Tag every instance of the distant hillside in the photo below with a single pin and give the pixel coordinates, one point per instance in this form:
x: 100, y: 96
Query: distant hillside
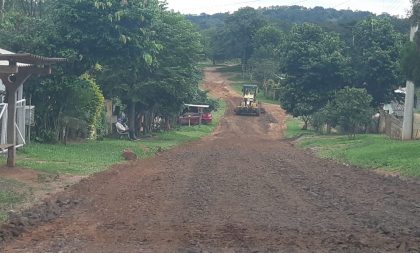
x: 285, y: 16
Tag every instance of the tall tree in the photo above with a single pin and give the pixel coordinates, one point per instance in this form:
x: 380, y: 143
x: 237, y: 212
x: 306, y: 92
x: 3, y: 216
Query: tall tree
x: 315, y: 65
x: 375, y: 55
x: 264, y: 60
x: 410, y: 56
x: 115, y: 35
x: 215, y: 46
x: 242, y: 27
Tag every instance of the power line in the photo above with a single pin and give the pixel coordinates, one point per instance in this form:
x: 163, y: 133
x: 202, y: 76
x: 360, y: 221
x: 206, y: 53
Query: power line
x: 345, y: 2
x: 237, y: 3
x: 255, y: 1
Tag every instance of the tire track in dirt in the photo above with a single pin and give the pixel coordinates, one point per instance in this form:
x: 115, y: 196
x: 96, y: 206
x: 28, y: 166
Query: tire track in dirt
x: 242, y: 189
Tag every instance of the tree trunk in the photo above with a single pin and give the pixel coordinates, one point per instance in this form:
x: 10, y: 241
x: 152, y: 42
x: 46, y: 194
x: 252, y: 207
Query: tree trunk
x: 132, y: 119
x: 147, y: 122
x: 305, y: 122
x: 265, y: 88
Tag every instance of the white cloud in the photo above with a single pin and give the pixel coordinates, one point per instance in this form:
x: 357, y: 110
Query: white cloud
x: 394, y: 7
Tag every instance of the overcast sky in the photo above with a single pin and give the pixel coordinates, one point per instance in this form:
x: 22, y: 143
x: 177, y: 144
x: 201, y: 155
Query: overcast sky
x: 394, y: 7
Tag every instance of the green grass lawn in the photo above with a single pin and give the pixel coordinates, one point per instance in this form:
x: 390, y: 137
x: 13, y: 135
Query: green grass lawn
x: 294, y: 128
x: 370, y: 151
x: 94, y: 156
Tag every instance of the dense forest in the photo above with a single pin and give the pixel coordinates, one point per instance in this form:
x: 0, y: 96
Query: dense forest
x: 134, y: 52
x: 312, y: 55
x: 284, y: 17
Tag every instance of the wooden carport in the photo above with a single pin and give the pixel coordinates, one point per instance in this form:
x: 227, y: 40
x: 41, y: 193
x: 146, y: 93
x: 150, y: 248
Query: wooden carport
x: 14, y: 74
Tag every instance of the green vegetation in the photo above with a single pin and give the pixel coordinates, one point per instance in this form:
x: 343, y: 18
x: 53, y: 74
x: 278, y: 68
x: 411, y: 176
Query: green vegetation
x: 294, y: 128
x: 316, y: 66
x: 306, y: 61
x: 12, y: 193
x: 369, y: 151
x: 136, y: 53
x: 285, y: 17
x: 349, y: 111
x: 93, y: 156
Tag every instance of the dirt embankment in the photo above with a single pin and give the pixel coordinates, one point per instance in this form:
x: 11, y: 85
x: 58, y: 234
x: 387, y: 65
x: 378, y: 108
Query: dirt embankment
x: 243, y: 189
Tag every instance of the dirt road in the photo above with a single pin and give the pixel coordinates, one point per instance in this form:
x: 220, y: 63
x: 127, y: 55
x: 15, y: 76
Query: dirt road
x: 243, y: 189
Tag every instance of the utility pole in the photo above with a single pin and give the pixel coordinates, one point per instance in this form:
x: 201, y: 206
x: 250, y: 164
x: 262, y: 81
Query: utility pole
x: 407, y: 130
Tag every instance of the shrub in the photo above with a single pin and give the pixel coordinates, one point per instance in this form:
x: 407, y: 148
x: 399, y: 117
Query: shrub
x: 67, y: 107
x: 350, y: 110
x: 94, y: 104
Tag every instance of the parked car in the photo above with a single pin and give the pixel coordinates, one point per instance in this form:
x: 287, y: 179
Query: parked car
x: 189, y: 118
x: 194, y: 114
x: 206, y: 118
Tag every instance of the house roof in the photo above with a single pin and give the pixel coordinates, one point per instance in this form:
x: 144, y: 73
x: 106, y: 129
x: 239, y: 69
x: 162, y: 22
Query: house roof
x: 6, y: 63
x: 250, y: 86
x: 198, y: 106
x: 26, y: 58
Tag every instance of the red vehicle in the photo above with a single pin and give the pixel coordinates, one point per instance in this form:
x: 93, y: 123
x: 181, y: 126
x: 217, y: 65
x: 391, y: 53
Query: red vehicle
x: 206, y: 117
x: 195, y: 115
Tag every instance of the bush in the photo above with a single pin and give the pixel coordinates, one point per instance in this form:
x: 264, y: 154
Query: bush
x: 67, y: 107
x: 324, y: 119
x: 94, y: 105
x: 350, y: 110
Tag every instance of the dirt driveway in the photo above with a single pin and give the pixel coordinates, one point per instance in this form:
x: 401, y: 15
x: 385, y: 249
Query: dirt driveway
x: 243, y: 189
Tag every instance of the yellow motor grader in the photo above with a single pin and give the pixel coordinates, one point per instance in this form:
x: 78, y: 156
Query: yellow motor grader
x: 249, y: 104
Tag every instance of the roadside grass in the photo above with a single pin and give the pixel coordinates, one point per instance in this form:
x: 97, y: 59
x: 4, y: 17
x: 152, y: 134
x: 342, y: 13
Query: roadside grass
x: 94, y: 156
x: 204, y: 64
x: 294, y: 128
x: 230, y: 68
x: 369, y: 151
x: 12, y: 193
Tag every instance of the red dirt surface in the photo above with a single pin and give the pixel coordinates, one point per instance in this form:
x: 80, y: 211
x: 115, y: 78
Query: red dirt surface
x: 243, y: 189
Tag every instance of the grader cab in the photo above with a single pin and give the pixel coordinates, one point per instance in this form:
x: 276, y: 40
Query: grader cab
x: 249, y: 104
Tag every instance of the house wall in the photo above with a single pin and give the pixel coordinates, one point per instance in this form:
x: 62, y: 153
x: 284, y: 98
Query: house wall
x: 416, y: 126
x: 392, y: 126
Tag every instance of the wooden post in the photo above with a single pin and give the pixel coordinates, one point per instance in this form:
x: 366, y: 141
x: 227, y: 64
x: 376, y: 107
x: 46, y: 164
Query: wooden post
x: 11, y: 89
x: 14, y: 76
x: 11, y: 129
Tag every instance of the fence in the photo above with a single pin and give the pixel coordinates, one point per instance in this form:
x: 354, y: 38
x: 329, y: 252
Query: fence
x: 392, y: 125
x: 24, y: 117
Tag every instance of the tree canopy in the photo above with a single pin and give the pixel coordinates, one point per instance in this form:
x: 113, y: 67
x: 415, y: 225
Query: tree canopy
x: 375, y: 53
x: 308, y: 54
x: 315, y: 65
x: 132, y: 50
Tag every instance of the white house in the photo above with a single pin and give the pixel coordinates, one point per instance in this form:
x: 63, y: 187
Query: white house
x: 24, y: 113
